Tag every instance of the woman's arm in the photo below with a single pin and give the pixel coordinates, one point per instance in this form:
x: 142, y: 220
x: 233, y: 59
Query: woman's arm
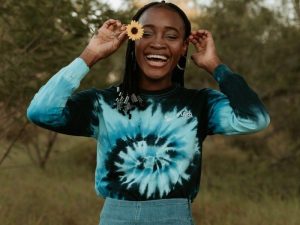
x: 237, y: 108
x: 55, y: 107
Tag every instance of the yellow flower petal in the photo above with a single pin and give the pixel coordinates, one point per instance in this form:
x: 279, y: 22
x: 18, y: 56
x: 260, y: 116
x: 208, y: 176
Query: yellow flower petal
x: 134, y: 30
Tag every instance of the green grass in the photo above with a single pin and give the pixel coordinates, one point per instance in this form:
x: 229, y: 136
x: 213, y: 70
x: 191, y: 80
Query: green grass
x: 234, y: 190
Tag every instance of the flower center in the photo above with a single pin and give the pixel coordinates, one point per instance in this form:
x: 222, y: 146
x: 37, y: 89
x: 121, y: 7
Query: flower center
x: 134, y: 30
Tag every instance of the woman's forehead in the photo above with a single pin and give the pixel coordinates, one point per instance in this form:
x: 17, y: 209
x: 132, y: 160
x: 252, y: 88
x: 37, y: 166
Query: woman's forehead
x: 162, y: 17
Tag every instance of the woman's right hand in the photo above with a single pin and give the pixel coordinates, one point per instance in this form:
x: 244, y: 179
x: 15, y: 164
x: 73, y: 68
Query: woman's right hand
x: 106, y: 40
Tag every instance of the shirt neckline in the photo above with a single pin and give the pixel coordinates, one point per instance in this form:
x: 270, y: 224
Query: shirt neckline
x: 163, y: 92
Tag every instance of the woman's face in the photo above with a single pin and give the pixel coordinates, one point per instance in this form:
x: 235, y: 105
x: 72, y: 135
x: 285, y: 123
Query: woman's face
x: 162, y: 45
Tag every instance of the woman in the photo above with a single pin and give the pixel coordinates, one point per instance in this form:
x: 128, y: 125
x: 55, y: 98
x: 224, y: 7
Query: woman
x: 149, y: 129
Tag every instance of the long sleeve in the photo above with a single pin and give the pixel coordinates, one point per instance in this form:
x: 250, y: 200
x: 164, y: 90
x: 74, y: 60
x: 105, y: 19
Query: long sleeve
x: 237, y: 108
x: 56, y: 108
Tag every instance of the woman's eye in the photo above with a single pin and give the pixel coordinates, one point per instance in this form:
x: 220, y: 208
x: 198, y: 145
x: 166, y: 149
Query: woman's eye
x: 147, y: 34
x: 172, y: 37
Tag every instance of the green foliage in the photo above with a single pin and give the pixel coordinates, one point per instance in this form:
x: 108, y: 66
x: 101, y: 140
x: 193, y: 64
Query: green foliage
x: 263, y: 46
x: 38, y: 37
x: 249, y: 179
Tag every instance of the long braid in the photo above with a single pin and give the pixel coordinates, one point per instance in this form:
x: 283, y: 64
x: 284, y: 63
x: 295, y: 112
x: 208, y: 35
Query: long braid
x: 128, y: 92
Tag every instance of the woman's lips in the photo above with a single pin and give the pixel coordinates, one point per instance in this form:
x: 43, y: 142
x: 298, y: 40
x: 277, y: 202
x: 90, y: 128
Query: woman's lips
x: 157, y: 60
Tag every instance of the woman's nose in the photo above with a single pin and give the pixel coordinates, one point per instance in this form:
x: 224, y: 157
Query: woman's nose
x: 158, y: 43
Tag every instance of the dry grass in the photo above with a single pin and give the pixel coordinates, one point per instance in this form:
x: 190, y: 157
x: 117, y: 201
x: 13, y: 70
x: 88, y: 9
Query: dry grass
x: 233, y: 192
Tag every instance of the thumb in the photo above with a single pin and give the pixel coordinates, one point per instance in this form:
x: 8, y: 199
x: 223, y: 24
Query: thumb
x: 197, y: 59
x: 194, y: 56
x: 122, y: 37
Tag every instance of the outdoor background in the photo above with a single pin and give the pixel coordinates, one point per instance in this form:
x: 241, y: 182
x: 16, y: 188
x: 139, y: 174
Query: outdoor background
x: 47, y: 179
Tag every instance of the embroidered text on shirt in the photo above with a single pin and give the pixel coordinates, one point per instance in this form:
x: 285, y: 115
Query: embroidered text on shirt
x: 185, y: 114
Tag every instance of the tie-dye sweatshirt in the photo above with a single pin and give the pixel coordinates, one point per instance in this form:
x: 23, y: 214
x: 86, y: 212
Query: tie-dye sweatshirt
x: 157, y: 153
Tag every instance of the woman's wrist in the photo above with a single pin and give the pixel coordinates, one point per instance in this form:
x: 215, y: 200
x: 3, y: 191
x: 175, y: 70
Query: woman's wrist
x: 89, y: 57
x: 212, y: 65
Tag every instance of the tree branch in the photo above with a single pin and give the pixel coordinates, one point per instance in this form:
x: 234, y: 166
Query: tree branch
x: 14, y: 141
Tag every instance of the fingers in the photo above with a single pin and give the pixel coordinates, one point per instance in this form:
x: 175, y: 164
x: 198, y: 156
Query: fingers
x: 200, y: 34
x: 122, y: 36
x: 113, y: 25
x: 111, y: 29
x: 200, y: 38
x: 109, y: 23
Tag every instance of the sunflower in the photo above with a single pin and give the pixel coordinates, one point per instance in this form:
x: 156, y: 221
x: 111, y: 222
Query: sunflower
x: 135, y: 30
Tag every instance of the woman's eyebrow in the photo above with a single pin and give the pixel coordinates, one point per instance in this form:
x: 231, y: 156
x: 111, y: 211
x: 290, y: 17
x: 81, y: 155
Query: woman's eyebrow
x: 166, y: 27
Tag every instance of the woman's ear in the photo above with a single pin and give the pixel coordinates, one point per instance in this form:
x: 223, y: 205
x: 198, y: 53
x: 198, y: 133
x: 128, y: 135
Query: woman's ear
x: 185, y: 47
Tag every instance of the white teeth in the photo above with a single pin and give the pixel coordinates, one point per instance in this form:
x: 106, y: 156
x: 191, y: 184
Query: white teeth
x: 162, y: 57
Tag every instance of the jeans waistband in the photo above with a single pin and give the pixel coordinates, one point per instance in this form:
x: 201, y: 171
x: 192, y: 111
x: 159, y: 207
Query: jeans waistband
x: 162, y: 209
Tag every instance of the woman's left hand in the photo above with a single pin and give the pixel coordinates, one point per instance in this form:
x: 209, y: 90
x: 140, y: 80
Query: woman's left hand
x: 206, y: 55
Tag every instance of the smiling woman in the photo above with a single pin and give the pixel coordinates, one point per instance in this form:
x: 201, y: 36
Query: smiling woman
x: 150, y: 128
x: 158, y: 53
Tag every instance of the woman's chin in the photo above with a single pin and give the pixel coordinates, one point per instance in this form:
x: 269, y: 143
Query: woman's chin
x: 157, y: 77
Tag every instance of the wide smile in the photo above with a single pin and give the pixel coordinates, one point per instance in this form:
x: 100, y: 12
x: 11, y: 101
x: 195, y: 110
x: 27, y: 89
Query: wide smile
x: 157, y: 60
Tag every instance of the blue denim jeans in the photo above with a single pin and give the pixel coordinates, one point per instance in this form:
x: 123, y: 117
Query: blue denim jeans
x: 153, y: 212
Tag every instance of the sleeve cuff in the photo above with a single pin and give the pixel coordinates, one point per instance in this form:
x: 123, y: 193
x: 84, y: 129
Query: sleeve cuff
x: 76, y: 70
x: 221, y: 72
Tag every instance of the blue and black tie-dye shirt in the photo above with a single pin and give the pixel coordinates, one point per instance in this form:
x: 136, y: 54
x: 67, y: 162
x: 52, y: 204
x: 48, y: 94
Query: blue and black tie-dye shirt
x: 157, y: 153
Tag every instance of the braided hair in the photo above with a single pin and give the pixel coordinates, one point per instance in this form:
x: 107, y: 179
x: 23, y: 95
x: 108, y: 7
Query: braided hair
x: 128, y: 92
